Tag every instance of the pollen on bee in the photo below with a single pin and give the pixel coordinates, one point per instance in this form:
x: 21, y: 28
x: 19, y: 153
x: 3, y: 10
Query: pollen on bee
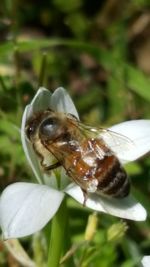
x: 92, y: 186
x: 89, y: 160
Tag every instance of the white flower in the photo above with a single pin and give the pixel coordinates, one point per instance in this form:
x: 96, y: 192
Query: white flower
x: 146, y: 261
x: 27, y: 207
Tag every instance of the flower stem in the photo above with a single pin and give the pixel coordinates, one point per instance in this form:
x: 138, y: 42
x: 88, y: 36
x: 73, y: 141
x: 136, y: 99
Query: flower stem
x: 42, y: 75
x: 58, y: 228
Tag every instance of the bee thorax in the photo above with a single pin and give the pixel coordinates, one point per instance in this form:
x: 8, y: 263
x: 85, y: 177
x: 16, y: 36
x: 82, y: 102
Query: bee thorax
x: 90, y: 161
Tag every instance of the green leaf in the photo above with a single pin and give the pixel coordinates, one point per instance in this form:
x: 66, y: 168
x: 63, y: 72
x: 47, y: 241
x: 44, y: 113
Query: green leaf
x: 138, y: 82
x: 101, y: 55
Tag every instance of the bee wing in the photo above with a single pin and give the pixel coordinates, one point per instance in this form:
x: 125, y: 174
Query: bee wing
x: 118, y: 143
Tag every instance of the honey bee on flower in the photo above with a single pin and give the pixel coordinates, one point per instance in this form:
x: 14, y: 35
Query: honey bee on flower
x: 91, y: 159
x: 81, y: 150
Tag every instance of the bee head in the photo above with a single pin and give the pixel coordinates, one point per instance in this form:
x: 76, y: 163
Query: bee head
x: 46, y: 125
x: 49, y: 128
x: 31, y: 129
x: 34, y: 124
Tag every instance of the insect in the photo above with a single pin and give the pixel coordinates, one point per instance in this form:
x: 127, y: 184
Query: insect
x: 81, y: 150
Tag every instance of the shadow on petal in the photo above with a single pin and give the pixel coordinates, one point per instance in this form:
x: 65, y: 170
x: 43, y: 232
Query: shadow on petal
x: 127, y: 208
x: 28, y: 149
x: 62, y: 102
x: 41, y: 101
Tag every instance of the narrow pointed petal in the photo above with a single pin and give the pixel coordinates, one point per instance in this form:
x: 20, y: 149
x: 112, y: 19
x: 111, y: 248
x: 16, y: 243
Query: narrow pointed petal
x: 126, y: 208
x: 146, y: 261
x: 138, y: 132
x: 41, y: 101
x: 28, y: 149
x: 18, y: 252
x: 26, y: 208
x: 62, y: 102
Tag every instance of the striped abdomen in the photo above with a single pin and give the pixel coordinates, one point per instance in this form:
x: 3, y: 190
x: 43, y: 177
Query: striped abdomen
x: 112, y: 178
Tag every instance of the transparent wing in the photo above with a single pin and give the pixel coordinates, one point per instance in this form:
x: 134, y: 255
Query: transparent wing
x: 115, y: 140
x: 118, y: 143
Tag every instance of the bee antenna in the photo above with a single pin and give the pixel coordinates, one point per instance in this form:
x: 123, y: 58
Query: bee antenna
x: 73, y: 116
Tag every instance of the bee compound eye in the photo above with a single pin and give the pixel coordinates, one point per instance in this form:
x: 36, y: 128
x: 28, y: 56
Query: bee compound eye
x: 30, y: 130
x: 49, y: 127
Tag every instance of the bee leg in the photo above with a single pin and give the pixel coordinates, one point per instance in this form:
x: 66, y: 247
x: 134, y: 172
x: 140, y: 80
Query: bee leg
x: 85, y: 194
x: 53, y: 166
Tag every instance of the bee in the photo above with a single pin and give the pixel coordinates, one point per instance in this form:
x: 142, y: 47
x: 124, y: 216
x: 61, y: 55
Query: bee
x: 81, y: 150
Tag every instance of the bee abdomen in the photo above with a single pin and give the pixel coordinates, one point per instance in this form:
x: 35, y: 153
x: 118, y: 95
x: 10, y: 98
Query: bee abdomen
x: 124, y: 190
x: 115, y: 182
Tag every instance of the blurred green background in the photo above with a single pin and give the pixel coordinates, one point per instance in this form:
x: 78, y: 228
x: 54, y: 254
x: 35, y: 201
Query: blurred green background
x: 100, y: 52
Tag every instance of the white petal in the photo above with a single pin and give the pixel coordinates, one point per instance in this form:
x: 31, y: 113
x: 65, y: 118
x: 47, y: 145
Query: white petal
x: 41, y: 101
x: 126, y: 208
x: 138, y: 131
x: 28, y: 149
x: 53, y: 181
x: 146, y: 261
x: 61, y: 101
x: 75, y: 192
x: 26, y: 208
x: 18, y: 252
